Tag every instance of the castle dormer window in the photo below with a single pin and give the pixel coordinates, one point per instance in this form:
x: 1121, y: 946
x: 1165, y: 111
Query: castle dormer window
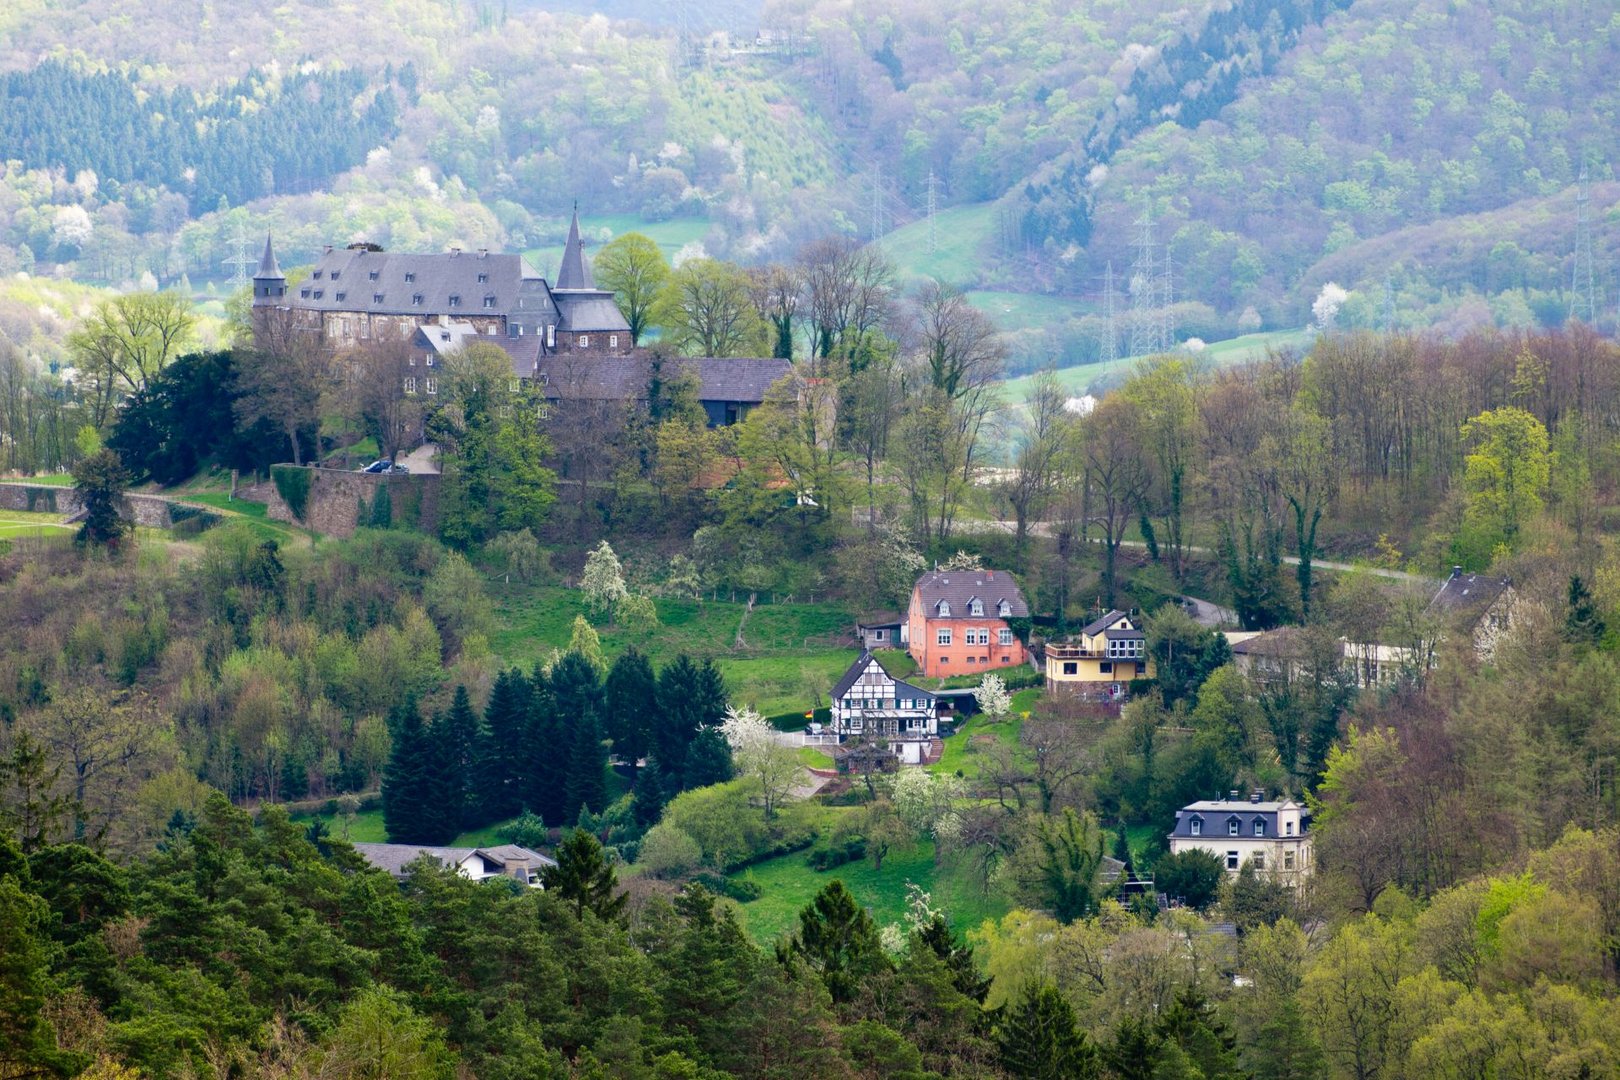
x: 410, y: 276
x: 416, y: 299
x: 336, y: 274
x: 376, y: 298
x: 455, y: 301
x: 489, y: 302
x: 341, y: 296
x: 319, y: 293
x: 316, y: 275
x: 304, y: 293
x: 483, y: 279
x: 372, y: 276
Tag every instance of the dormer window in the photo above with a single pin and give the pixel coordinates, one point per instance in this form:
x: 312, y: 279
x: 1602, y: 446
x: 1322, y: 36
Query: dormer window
x: 372, y: 276
x: 410, y: 276
x: 336, y: 274
x: 304, y: 293
x: 319, y: 293
x: 1233, y: 827
x: 944, y: 609
x: 1004, y: 609
x: 489, y: 302
x: 455, y: 301
x: 342, y: 295
x: 376, y: 298
x: 976, y: 608
x: 316, y: 275
x: 1259, y: 826
x: 1196, y: 826
x: 416, y: 299
x: 1288, y: 829
x: 483, y: 279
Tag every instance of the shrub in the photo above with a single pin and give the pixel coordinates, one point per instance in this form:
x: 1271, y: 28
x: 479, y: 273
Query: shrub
x: 292, y: 484
x: 668, y: 852
x: 742, y: 890
x: 849, y: 849
x: 1194, y: 876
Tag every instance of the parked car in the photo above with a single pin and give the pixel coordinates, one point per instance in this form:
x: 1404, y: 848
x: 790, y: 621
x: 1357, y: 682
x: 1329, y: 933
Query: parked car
x: 385, y: 466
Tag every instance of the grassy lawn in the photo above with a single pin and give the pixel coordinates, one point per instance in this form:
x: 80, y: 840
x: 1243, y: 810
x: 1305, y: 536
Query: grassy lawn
x: 16, y: 523
x: 791, y: 652
x: 789, y: 885
x: 1012, y: 311
x: 811, y: 758
x: 1220, y: 353
x: 367, y: 828
x: 51, y: 479
x: 961, y: 236
x: 961, y: 750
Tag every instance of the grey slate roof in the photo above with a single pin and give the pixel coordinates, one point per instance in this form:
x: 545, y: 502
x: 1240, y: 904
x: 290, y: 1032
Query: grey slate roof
x: 588, y: 312
x: 514, y: 286
x: 394, y: 858
x: 1093, y: 628
x: 575, y: 272
x: 1216, y: 813
x: 957, y: 587
x: 1465, y: 598
x: 847, y: 680
x: 1285, y: 641
x: 590, y: 377
x: 268, y: 269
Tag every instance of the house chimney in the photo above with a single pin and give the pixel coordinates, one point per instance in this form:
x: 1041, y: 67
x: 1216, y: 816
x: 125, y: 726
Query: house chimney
x: 1456, y: 571
x: 483, y: 253
x: 1234, y: 794
x: 1256, y: 795
x: 329, y: 249
x: 455, y: 251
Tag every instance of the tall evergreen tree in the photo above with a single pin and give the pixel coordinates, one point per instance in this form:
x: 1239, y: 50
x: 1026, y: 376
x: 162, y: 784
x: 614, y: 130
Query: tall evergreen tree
x: 407, y: 779
x: 586, y: 788
x: 457, y: 736
x: 708, y: 760
x: 1040, y: 1039
x: 544, y: 773
x: 630, y: 705
x: 839, y: 940
x: 498, y: 753
x: 958, y: 959
x: 584, y: 877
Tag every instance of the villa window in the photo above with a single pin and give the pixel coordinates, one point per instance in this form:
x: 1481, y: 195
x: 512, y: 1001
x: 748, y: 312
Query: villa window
x: 1071, y: 667
x: 376, y: 298
x: 1104, y: 667
x: 410, y: 384
x: 432, y: 385
x: 489, y: 301
x: 342, y: 296
x: 1288, y: 860
x: 1231, y: 860
x: 410, y: 277
x: 1288, y: 829
x: 1232, y: 828
x: 483, y: 279
x: 976, y: 608
x: 1259, y: 827
x: 416, y: 299
x: 1259, y: 860
x: 943, y: 637
x: 1196, y: 826
x: 316, y: 275
x: 455, y: 301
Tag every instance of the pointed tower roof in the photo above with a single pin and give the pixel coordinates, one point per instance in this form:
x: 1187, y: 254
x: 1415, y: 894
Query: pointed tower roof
x: 575, y: 272
x: 267, y: 264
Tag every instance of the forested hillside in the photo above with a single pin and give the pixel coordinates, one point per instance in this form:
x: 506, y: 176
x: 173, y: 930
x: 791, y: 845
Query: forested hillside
x: 1280, y: 145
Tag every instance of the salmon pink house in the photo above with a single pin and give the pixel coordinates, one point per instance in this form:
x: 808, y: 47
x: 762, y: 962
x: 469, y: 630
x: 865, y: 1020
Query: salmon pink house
x: 958, y: 622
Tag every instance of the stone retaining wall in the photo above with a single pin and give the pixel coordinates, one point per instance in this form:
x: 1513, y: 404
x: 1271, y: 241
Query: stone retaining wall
x: 337, y: 501
x: 150, y: 511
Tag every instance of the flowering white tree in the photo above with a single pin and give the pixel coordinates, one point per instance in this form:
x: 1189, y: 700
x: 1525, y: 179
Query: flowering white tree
x: 993, y: 699
x: 760, y: 756
x: 1328, y: 302
x: 926, y: 802
x: 603, y: 583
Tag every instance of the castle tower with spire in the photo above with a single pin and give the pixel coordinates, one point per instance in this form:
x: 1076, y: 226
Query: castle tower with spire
x: 269, y: 283
x: 589, y: 318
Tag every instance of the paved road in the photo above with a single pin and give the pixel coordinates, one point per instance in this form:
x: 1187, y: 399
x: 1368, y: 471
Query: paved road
x: 1044, y: 528
x: 422, y: 460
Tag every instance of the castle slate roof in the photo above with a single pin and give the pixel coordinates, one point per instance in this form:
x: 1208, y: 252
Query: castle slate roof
x: 354, y: 278
x: 957, y: 587
x: 591, y: 377
x: 587, y: 312
x: 575, y: 272
x: 268, y: 268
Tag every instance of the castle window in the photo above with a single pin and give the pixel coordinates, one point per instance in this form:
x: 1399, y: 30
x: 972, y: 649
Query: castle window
x: 336, y: 274
x: 319, y: 293
x: 483, y: 279
x: 432, y: 385
x: 1259, y: 860
x: 342, y: 296
x: 514, y: 330
x: 1289, y: 828
x: 584, y: 341
x: 416, y: 298
x: 376, y: 297
x: 1288, y: 860
x: 410, y: 276
x: 455, y: 301
x: 489, y: 301
x: 372, y: 276
x: 304, y: 293
x: 316, y: 275
x: 613, y: 341
x: 410, y: 384
x: 444, y: 335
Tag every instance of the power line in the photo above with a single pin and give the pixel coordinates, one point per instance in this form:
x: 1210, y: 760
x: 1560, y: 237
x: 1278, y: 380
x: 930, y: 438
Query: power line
x: 877, y: 202
x: 1583, y: 303
x: 1110, y: 341
x: 241, y: 261
x: 1144, y: 287
x: 1165, y: 334
x: 933, y: 238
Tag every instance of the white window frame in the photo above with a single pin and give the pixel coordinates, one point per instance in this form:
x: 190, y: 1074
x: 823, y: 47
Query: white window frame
x: 1234, y: 827
x: 1260, y: 827
x: 976, y: 609
x: 1232, y: 860
x: 584, y: 341
x: 942, y: 636
x: 1004, y: 638
x: 613, y: 341
x: 1195, y: 827
x: 410, y: 384
x: 944, y: 609
x: 431, y: 385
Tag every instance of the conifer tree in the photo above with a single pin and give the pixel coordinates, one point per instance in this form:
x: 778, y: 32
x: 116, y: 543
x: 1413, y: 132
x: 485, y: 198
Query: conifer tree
x: 544, y: 753
x: 446, y: 805
x: 498, y: 753
x: 838, y: 938
x: 937, y: 936
x: 407, y: 779
x: 630, y: 705
x: 584, y: 878
x: 1040, y: 1039
x: 1584, y: 623
x: 586, y: 788
x: 458, y: 742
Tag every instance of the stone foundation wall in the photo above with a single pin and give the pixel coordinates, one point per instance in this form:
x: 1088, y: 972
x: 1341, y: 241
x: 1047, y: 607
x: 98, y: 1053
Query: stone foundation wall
x: 337, y: 502
x: 150, y: 511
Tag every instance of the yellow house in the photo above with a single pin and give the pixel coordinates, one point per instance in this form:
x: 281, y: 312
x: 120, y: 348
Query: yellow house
x: 1103, y: 658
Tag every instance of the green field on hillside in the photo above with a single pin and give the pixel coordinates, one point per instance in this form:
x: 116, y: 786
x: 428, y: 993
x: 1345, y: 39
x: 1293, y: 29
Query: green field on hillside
x: 961, y: 236
x: 790, y: 652
x: 19, y: 523
x: 1218, y: 353
x: 670, y: 235
x: 789, y: 884
x: 1014, y: 311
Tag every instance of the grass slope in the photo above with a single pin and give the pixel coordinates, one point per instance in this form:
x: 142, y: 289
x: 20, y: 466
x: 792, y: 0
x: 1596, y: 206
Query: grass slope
x: 962, y: 235
x: 670, y: 235
x: 1220, y: 354
x: 17, y: 523
x: 790, y: 652
x: 790, y: 884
